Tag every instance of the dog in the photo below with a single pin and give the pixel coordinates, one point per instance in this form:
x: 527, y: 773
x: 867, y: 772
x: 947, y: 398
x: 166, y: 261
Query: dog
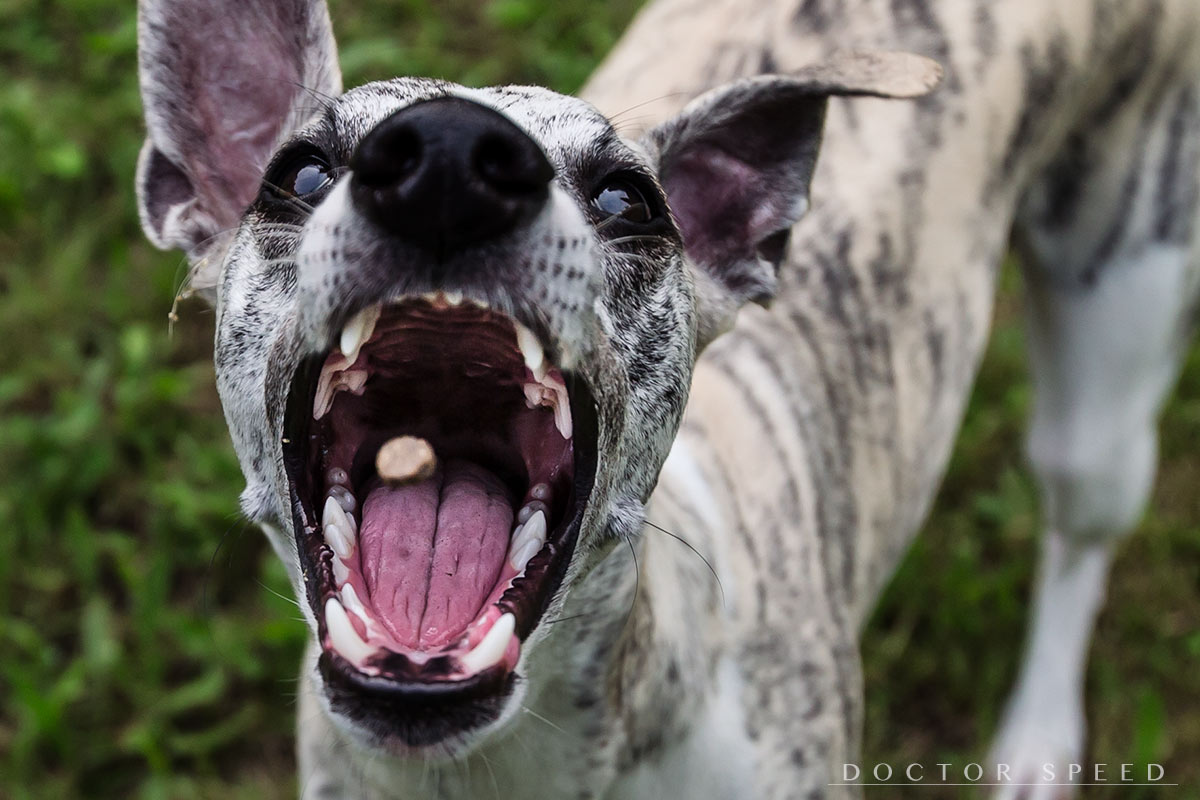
x: 684, y: 429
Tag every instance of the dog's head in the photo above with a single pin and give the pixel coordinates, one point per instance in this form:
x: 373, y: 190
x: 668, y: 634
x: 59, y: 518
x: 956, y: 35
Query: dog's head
x: 495, y: 271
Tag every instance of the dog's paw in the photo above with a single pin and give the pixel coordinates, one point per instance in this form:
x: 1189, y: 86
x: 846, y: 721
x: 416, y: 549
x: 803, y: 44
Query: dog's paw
x: 1036, y: 755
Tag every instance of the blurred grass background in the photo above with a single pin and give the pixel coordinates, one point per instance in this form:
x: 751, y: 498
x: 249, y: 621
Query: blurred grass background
x: 147, y: 648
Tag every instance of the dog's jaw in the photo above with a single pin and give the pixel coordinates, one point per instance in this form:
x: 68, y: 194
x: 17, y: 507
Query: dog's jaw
x: 394, y: 647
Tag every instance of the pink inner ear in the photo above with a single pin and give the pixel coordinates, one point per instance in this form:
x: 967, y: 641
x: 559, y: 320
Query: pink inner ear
x: 245, y: 83
x: 723, y: 205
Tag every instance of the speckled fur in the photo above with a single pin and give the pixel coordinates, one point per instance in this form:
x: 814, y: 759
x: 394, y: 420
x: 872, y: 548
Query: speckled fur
x: 816, y: 431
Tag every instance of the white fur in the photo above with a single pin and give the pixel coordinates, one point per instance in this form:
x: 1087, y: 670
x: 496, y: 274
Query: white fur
x: 715, y: 761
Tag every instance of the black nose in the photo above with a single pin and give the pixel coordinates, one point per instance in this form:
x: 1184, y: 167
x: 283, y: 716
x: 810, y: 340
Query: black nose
x: 448, y: 173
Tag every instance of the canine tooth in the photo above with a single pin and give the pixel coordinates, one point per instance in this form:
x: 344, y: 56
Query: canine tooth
x: 324, y: 396
x: 358, y: 330
x: 337, y: 532
x: 562, y: 419
x: 540, y: 491
x: 528, y: 510
x: 343, y: 636
x: 453, y: 298
x: 521, y: 555
x: 531, y: 351
x: 491, y: 648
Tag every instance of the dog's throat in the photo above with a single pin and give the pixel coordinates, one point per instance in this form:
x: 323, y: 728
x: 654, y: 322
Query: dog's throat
x: 432, y: 551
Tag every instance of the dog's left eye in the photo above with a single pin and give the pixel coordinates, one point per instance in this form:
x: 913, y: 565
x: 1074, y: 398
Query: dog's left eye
x: 303, y: 174
x: 620, y: 197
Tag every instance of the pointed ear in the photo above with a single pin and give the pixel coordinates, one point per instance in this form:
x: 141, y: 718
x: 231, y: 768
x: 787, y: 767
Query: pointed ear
x: 223, y: 81
x: 736, y: 165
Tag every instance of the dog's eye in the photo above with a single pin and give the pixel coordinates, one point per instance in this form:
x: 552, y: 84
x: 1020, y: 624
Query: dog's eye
x: 620, y: 197
x: 310, y: 178
x: 303, y: 174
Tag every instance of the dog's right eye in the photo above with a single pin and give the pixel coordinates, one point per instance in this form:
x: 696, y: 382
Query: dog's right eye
x: 298, y: 175
x: 620, y: 197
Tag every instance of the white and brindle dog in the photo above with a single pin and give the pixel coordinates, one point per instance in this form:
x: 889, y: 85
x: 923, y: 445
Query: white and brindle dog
x: 506, y: 274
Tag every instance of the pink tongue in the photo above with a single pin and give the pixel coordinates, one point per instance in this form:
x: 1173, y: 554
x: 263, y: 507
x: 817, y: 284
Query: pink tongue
x: 433, y: 551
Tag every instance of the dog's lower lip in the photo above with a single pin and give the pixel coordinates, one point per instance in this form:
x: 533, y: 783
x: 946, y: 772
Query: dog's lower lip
x: 520, y: 607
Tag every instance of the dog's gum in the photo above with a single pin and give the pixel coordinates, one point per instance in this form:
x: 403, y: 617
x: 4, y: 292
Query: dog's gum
x: 405, y: 459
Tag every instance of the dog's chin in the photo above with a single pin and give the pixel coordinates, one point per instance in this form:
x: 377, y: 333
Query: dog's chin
x: 403, y: 724
x: 425, y: 590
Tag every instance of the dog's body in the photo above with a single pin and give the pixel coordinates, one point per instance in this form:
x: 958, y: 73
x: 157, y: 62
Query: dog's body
x: 816, y: 431
x: 820, y: 428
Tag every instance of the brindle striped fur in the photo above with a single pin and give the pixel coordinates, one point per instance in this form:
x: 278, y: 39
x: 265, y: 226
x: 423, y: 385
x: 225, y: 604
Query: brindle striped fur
x: 817, y: 430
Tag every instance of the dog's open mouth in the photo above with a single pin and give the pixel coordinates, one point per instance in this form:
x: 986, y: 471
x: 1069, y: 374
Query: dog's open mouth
x: 426, y: 588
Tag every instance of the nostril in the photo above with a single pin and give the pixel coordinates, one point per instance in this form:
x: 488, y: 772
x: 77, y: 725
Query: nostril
x: 496, y: 162
x: 506, y: 166
x: 388, y: 160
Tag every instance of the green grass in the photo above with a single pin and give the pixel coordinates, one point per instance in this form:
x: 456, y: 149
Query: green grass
x: 145, y: 651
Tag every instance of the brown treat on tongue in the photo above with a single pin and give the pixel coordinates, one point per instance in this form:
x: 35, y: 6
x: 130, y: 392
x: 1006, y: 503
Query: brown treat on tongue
x: 405, y: 459
x: 433, y: 550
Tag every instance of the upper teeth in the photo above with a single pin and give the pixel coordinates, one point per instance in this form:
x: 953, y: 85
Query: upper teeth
x: 531, y: 351
x: 333, y: 379
x: 550, y: 392
x: 357, y: 330
x: 452, y: 298
x: 337, y: 375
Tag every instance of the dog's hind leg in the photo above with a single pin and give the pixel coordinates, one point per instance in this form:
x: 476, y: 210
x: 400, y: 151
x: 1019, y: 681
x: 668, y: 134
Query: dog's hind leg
x: 1110, y: 238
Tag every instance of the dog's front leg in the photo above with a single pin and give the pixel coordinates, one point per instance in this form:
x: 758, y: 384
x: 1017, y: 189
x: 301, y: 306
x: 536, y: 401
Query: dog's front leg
x: 1108, y: 328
